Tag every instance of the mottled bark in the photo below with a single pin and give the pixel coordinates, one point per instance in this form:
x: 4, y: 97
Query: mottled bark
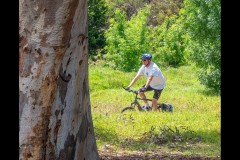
x: 54, y: 105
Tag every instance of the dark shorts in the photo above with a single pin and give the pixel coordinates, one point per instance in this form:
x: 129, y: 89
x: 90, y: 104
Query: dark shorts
x: 157, y: 92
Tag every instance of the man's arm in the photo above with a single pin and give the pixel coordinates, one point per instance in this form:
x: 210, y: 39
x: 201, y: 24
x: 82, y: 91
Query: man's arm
x: 148, y: 81
x: 143, y: 89
x: 133, y: 81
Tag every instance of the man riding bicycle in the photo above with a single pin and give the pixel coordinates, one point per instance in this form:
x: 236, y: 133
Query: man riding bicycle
x: 155, y: 80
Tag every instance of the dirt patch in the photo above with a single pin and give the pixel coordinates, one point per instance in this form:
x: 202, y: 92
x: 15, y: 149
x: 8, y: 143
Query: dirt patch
x: 109, y: 155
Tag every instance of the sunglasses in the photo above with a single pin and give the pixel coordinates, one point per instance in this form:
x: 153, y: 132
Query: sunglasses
x: 144, y: 59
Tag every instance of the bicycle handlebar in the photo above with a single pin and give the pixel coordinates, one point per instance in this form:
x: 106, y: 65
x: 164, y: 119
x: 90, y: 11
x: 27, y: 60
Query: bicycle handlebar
x: 129, y: 90
x: 136, y: 92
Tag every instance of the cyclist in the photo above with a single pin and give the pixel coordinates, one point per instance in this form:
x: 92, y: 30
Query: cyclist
x: 155, y: 80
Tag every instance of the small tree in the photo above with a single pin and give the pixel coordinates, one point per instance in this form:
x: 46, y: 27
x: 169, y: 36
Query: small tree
x: 203, y: 24
x: 127, y: 39
x: 168, y: 42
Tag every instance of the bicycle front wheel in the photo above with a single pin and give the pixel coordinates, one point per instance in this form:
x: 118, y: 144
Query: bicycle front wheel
x: 128, y: 108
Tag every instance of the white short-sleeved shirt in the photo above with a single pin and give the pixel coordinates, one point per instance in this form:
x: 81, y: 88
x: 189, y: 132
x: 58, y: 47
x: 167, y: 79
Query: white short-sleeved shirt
x: 158, y: 81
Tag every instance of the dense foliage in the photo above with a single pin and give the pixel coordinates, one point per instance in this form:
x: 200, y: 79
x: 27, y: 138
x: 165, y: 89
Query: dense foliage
x: 127, y: 40
x: 175, y: 32
x: 202, y: 20
x: 168, y: 43
x: 96, y: 24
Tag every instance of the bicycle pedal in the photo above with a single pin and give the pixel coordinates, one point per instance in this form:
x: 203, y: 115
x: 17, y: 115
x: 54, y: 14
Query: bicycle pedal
x: 146, y: 108
x: 149, y: 108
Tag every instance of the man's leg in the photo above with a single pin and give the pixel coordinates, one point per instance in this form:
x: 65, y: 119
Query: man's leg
x: 154, y: 104
x: 143, y: 96
x: 156, y: 96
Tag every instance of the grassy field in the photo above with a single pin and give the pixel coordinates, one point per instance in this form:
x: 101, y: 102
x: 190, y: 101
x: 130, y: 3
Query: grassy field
x: 192, y: 128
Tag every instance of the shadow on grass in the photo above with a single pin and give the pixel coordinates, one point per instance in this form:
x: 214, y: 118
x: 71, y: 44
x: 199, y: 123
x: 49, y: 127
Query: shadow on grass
x: 210, y: 92
x: 180, y: 140
x: 142, y: 149
x: 173, y: 139
x: 107, y: 136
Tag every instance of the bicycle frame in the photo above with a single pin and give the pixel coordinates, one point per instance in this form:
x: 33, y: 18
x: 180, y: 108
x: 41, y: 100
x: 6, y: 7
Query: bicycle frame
x: 162, y: 106
x: 135, y: 101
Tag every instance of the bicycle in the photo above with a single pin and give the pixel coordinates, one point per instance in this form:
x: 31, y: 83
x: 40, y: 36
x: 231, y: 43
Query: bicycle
x: 135, y: 105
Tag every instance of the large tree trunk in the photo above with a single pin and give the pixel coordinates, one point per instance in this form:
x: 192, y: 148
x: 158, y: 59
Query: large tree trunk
x: 55, y: 120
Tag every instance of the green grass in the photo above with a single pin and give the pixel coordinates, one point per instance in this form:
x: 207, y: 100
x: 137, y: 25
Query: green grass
x: 192, y: 128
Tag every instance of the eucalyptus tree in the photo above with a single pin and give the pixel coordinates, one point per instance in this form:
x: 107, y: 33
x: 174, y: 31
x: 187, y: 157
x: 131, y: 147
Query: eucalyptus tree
x: 54, y: 106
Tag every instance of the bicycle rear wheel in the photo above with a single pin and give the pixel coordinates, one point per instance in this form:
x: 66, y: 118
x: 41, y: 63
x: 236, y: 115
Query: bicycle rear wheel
x: 128, y: 108
x: 160, y: 107
x: 164, y: 107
